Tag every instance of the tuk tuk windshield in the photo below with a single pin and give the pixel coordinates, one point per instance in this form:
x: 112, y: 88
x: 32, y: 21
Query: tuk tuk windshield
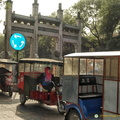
x: 71, y: 66
x: 33, y: 67
x: 83, y: 66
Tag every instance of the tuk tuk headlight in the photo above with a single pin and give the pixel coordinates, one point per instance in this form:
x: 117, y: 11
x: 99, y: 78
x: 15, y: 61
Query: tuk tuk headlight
x: 60, y: 89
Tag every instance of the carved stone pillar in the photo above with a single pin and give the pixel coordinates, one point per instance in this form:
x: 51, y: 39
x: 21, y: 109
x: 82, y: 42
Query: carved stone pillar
x: 76, y: 47
x: 8, y: 22
x: 78, y: 23
x: 31, y: 47
x: 34, y: 45
x: 60, y: 37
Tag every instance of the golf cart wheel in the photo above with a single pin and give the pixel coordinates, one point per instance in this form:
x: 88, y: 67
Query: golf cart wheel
x: 61, y: 107
x: 22, y: 99
x: 73, y: 115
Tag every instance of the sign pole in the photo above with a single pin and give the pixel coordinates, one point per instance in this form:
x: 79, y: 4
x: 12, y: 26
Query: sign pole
x: 17, y: 42
x: 17, y: 52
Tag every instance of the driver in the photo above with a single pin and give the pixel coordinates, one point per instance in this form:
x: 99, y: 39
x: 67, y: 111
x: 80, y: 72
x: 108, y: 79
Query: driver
x: 46, y: 80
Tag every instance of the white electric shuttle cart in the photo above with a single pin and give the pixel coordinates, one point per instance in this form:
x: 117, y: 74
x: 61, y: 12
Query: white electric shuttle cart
x: 91, y: 86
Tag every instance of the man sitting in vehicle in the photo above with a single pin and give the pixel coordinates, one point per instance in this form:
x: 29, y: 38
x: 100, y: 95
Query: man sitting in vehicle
x: 46, y: 80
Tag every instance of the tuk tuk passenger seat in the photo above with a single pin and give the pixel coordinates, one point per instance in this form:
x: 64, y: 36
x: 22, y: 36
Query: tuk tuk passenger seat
x: 88, y: 80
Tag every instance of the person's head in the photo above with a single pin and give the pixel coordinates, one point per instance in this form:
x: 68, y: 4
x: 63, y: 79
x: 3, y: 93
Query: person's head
x: 48, y: 70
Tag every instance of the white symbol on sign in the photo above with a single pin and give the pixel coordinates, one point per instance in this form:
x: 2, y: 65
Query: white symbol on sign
x: 17, y: 41
x: 22, y: 43
x: 16, y: 36
x: 14, y: 44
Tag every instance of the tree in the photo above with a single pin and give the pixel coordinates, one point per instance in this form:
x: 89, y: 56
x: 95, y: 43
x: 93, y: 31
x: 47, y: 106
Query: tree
x: 114, y: 43
x: 2, y: 4
x: 69, y: 16
x: 21, y: 54
x: 1, y: 43
x: 89, y: 10
x: 68, y: 48
x: 46, y: 47
x: 110, y: 14
x: 100, y: 18
x: 5, y: 5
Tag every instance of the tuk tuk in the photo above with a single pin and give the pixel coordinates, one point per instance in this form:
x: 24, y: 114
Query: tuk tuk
x: 29, y: 70
x: 8, y: 76
x: 91, y: 86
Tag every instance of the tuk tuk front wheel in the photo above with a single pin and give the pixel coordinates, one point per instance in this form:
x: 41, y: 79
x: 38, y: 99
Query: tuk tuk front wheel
x: 73, y: 115
x: 61, y: 107
x: 22, y: 99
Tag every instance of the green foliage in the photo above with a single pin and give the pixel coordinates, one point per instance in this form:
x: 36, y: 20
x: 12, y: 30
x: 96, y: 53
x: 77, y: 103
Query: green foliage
x: 53, y: 14
x: 100, y: 18
x: 8, y: 5
x: 1, y: 43
x: 69, y: 16
x: 68, y: 48
x: 89, y: 10
x: 21, y: 54
x: 110, y: 13
x: 5, y: 5
x: 114, y: 43
x: 46, y: 47
x: 0, y: 3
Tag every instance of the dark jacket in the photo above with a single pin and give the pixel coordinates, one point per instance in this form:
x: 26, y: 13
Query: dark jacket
x: 41, y: 79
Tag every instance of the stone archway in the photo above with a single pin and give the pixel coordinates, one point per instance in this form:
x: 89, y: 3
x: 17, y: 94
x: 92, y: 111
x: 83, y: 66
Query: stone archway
x: 36, y: 25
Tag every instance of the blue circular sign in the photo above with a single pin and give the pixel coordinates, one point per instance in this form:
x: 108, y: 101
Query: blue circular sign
x: 17, y: 41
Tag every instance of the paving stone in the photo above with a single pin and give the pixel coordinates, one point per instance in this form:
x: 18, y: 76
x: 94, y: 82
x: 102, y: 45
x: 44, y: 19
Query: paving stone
x: 10, y: 109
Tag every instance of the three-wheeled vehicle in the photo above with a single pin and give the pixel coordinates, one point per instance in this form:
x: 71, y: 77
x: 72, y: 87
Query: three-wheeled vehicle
x: 93, y: 86
x: 29, y: 70
x: 7, y: 75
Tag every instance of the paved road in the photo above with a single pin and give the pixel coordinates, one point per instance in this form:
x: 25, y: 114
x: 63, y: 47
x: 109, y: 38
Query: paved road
x: 10, y: 109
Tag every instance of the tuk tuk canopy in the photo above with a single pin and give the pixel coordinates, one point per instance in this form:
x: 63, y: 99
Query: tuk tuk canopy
x: 7, y: 61
x: 94, y: 54
x: 41, y: 61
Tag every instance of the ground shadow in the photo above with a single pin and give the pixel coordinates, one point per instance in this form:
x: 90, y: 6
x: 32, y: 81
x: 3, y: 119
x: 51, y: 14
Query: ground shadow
x: 5, y: 99
x: 36, y: 111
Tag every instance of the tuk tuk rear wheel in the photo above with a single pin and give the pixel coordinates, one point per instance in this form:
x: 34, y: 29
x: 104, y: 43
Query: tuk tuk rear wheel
x: 10, y: 91
x: 22, y: 99
x: 73, y: 115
